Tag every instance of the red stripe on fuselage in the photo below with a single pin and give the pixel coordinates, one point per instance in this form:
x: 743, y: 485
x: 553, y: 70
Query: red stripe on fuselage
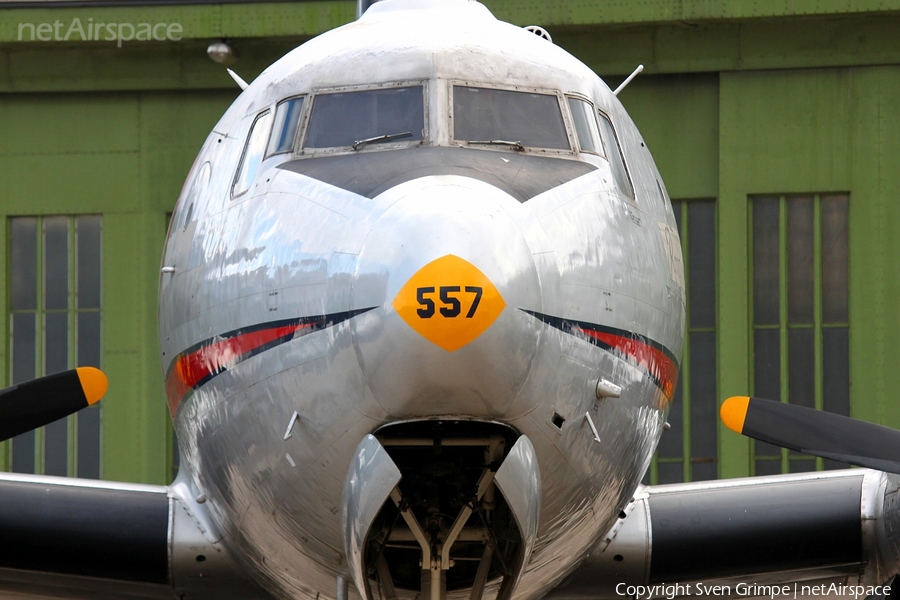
x: 662, y: 368
x: 193, y: 368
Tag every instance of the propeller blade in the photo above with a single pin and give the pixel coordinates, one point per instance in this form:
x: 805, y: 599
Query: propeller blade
x: 29, y: 405
x: 814, y: 432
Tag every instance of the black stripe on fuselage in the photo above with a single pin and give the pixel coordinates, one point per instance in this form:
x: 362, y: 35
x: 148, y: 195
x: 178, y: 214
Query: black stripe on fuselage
x: 522, y: 176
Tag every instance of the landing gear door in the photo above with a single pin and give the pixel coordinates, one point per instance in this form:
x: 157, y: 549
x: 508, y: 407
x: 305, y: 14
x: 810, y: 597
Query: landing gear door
x: 519, y: 479
x: 369, y: 482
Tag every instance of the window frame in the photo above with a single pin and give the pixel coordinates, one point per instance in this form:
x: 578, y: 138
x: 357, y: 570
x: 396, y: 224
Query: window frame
x: 240, y: 165
x: 787, y: 459
x: 687, y: 390
x: 303, y: 129
x: 594, y: 111
x: 560, y: 98
x: 78, y: 305
x: 300, y: 120
x: 603, y: 114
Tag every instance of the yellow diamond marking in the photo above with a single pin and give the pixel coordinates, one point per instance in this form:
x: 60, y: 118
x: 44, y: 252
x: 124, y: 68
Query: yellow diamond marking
x: 449, y: 302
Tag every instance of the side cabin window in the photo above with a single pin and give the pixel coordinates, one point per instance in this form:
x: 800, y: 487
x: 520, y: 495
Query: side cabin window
x: 616, y: 159
x: 253, y: 153
x: 361, y: 118
x: 585, y: 126
x: 287, y: 118
x: 510, y: 118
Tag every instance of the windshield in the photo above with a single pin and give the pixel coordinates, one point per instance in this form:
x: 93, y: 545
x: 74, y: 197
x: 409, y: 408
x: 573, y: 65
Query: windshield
x: 367, y: 117
x: 501, y: 116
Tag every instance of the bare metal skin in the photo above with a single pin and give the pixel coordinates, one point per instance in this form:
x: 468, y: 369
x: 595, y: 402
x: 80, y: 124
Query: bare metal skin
x: 290, y: 298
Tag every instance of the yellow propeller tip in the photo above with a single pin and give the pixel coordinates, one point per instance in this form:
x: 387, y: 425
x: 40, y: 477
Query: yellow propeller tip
x: 734, y: 411
x: 93, y: 383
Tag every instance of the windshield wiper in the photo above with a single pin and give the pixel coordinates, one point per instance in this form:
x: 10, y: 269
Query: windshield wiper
x: 516, y: 145
x: 380, y: 138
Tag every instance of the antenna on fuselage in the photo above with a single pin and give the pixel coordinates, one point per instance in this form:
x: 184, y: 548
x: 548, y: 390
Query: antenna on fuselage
x: 237, y: 79
x: 362, y: 5
x: 627, y: 79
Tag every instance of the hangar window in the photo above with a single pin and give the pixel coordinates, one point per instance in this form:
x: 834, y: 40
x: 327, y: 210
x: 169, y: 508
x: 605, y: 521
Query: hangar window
x: 361, y: 118
x: 508, y: 118
x: 800, y: 336
x: 54, y: 321
x: 616, y: 158
x: 284, y: 130
x: 688, y: 451
x: 253, y: 153
x: 585, y: 126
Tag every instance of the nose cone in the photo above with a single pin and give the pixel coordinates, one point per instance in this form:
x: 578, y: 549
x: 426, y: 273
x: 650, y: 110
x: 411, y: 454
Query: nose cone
x: 449, y: 268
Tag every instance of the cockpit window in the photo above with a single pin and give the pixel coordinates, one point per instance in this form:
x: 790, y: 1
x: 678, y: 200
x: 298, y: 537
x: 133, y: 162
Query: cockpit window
x: 519, y: 119
x: 287, y: 117
x: 253, y: 153
x: 616, y: 159
x: 361, y: 118
x: 585, y: 126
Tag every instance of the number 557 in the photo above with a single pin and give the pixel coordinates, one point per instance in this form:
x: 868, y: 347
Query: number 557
x: 451, y: 304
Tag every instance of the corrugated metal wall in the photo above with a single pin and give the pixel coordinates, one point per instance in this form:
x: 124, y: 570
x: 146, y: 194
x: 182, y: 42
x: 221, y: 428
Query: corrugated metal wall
x: 732, y: 106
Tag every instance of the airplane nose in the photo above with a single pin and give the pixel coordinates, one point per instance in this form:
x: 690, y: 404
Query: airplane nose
x: 448, y: 266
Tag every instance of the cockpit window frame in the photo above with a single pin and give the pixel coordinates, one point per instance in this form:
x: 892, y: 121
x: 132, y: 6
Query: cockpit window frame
x: 593, y: 110
x: 563, y: 109
x: 616, y: 146
x: 266, y: 113
x: 303, y: 152
x: 304, y: 108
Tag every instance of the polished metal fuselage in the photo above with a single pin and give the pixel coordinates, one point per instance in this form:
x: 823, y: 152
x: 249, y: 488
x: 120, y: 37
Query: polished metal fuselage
x: 295, y: 247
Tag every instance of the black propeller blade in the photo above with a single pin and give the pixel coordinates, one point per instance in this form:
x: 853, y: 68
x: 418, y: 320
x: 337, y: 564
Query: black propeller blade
x: 29, y: 405
x: 814, y: 432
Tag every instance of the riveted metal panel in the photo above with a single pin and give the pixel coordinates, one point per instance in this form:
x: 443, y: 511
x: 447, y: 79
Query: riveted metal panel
x: 199, y: 21
x: 874, y: 245
x: 123, y: 156
x: 624, y: 11
x: 682, y: 132
x: 812, y: 131
x: 759, y: 120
